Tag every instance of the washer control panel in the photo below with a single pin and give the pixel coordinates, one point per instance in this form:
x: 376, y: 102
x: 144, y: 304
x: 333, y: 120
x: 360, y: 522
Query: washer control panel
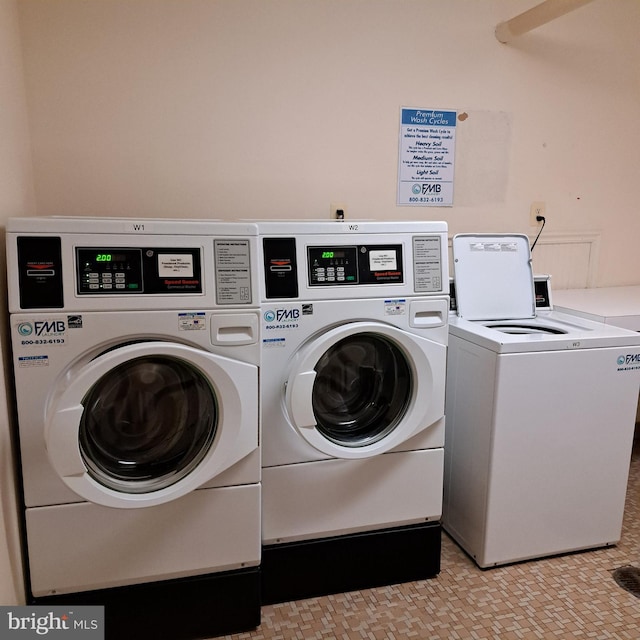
x: 108, y: 270
x: 360, y: 264
x: 417, y: 263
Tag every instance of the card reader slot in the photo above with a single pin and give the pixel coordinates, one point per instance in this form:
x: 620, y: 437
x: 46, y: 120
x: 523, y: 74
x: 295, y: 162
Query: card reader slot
x: 40, y: 272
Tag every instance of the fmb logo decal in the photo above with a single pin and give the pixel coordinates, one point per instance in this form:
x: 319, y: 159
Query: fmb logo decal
x: 42, y: 328
x: 42, y: 332
x: 281, y: 315
x: 281, y: 319
x: 629, y: 361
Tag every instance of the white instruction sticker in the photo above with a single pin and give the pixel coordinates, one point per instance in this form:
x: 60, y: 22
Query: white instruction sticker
x: 33, y: 361
x: 233, y: 271
x: 494, y: 246
x: 395, y: 307
x: 383, y: 260
x: 171, y: 265
x: 196, y: 321
x: 427, y: 264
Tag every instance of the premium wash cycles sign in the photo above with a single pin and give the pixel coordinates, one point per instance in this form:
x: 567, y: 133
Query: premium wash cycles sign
x: 427, y: 154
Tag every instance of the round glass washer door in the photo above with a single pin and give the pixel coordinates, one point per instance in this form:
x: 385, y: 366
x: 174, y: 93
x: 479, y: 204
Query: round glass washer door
x: 353, y: 390
x: 362, y: 390
x: 144, y: 423
x: 147, y: 423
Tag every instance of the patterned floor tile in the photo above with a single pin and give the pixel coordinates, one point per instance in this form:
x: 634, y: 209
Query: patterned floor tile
x: 572, y: 596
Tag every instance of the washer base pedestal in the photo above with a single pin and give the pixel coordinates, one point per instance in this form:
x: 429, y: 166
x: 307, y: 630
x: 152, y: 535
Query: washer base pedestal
x: 297, y: 570
x: 200, y: 607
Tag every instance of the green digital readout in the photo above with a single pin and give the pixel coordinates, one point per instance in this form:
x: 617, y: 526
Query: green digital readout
x: 330, y: 254
x: 106, y: 256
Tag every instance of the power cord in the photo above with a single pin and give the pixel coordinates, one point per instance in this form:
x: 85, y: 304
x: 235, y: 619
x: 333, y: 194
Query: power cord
x: 538, y: 219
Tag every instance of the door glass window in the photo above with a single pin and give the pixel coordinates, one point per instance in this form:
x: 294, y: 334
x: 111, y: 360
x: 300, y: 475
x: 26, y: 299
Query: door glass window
x: 147, y: 423
x: 362, y: 390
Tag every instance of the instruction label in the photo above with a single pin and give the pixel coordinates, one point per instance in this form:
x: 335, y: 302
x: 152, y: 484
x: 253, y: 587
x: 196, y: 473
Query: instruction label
x: 172, y: 265
x: 233, y: 271
x: 427, y: 264
x: 395, y: 307
x: 426, y: 157
x: 382, y: 260
x: 196, y: 321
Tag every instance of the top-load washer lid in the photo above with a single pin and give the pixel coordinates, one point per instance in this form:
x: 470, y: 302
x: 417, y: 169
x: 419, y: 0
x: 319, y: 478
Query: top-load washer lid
x: 493, y: 277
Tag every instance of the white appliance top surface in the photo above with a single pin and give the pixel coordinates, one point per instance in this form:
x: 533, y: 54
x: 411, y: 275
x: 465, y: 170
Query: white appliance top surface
x: 136, y: 226
x: 575, y: 332
x: 349, y: 226
x: 619, y: 306
x: 493, y: 276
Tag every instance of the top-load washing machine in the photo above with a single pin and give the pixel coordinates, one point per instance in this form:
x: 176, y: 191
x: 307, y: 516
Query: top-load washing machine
x: 136, y: 352
x: 354, y: 334
x: 540, y: 413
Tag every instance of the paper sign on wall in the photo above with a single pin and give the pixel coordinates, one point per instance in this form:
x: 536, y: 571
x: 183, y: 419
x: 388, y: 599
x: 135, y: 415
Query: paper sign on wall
x: 427, y: 157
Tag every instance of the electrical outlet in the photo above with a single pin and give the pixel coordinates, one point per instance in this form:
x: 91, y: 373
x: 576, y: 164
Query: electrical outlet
x: 537, y: 209
x: 335, y: 208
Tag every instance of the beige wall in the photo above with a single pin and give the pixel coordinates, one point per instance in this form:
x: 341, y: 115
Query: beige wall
x: 16, y: 198
x: 276, y: 108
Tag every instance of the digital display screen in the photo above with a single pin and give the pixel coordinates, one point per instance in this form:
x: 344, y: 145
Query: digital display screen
x: 111, y: 257
x: 332, y: 253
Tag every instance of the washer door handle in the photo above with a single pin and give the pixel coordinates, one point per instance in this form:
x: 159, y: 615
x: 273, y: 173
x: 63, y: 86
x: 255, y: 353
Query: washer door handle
x: 301, y: 399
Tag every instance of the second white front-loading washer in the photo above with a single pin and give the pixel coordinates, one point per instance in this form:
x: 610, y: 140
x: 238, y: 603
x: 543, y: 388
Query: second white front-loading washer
x: 354, y: 335
x: 540, y: 413
x: 136, y: 352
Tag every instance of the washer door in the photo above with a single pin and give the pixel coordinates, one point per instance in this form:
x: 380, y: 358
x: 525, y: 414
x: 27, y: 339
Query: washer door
x: 146, y: 423
x: 361, y: 389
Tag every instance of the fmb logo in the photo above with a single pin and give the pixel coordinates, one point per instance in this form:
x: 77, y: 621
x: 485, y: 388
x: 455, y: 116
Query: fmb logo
x: 630, y: 358
x: 426, y: 188
x: 42, y: 328
x: 48, y: 327
x: 281, y: 315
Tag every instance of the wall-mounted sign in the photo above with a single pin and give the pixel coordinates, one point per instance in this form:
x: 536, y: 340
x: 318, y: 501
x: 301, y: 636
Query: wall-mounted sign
x: 427, y: 157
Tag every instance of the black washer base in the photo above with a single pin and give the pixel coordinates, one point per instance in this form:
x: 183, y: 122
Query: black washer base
x: 185, y: 609
x: 297, y: 570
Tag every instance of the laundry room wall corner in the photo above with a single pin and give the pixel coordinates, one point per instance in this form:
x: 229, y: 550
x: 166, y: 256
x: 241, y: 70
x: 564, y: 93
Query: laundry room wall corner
x: 11, y: 581
x: 17, y: 197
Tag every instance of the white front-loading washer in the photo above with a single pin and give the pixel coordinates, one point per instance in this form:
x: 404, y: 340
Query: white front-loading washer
x: 540, y: 413
x: 136, y: 351
x: 354, y: 335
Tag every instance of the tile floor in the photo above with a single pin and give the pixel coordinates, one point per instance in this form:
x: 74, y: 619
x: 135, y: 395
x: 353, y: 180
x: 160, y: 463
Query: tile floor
x: 572, y: 596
